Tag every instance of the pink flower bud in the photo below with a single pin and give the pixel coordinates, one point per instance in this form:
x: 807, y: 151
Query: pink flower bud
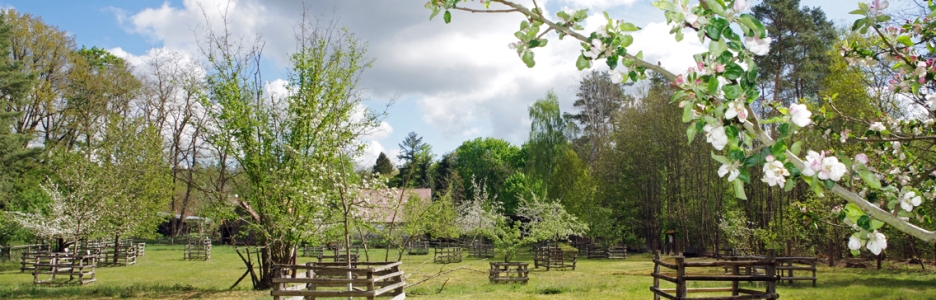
x: 719, y: 68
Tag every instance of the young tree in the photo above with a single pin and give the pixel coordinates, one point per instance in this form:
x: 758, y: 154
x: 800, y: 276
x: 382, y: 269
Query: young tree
x: 294, y: 151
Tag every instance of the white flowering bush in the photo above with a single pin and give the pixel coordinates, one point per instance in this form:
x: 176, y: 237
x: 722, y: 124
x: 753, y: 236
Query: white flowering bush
x: 717, y: 93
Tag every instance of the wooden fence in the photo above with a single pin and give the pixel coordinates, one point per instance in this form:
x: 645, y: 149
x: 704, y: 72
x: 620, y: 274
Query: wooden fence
x: 680, y: 275
x: 479, y: 249
x: 325, y: 280
x: 509, y: 272
x: 15, y: 253
x: 787, y: 267
x: 555, y: 258
x: 197, y: 249
x: 79, y: 268
x: 446, y: 255
x: 417, y: 247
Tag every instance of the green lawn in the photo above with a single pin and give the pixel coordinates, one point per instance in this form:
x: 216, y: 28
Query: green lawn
x: 163, y: 274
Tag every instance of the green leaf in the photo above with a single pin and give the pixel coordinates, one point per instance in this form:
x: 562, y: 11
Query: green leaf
x: 691, y: 133
x: 859, y: 24
x: 754, y: 24
x: 856, y: 253
x: 712, y: 85
x: 778, y: 148
x: 744, y: 176
x: 829, y: 184
x: 687, y: 113
x: 784, y: 130
x: 528, y: 59
x: 731, y: 131
x: 447, y: 17
x: 582, y: 63
x: 857, y: 12
x: 627, y: 27
x: 790, y: 184
x: 733, y: 71
x: 864, y: 222
x: 903, y: 39
x: 716, y: 7
x: 435, y: 12
x: 562, y: 15
x: 870, y: 179
x: 732, y: 91
x: 626, y: 40
x: 580, y: 14
x: 875, y: 224
x: 796, y: 147
x: 721, y: 159
x: 739, y: 189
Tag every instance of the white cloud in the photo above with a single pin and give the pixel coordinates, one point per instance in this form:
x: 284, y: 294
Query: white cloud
x: 182, y: 27
x: 596, y: 4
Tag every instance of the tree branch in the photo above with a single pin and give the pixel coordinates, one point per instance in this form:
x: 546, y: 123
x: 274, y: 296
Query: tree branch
x: 640, y: 63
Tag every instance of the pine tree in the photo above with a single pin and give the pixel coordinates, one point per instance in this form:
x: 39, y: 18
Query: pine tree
x: 383, y: 166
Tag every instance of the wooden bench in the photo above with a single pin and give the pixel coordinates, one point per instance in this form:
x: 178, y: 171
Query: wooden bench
x: 555, y: 258
x: 79, y: 268
x: 446, y: 255
x: 509, y: 272
x: 680, y: 275
x: 331, y: 280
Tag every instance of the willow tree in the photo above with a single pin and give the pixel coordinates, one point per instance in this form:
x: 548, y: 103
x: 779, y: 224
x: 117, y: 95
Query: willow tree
x: 294, y: 150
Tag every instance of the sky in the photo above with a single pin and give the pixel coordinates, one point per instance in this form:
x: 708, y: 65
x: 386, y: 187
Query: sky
x: 448, y: 82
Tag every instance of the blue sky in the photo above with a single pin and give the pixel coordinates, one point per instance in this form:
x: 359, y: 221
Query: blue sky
x: 451, y: 82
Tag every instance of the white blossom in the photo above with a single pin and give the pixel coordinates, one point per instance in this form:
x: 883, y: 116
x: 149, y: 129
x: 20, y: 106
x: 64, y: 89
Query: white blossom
x: 876, y: 242
x: 730, y: 169
x: 931, y: 102
x: 736, y: 109
x: 596, y: 49
x: 877, y: 126
x: 813, y: 163
x: 774, y: 172
x: 832, y: 169
x: 758, y: 46
x: 740, y: 5
x: 716, y: 136
x: 799, y: 115
x: 909, y: 201
x: 616, y: 76
x: 854, y: 243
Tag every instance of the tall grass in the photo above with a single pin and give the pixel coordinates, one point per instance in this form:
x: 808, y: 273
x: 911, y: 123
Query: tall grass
x: 163, y: 274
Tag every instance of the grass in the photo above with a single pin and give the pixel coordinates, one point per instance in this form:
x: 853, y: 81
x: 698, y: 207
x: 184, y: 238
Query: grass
x: 162, y: 274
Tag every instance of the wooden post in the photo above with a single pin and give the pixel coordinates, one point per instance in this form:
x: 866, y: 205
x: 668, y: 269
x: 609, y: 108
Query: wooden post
x: 789, y: 263
x: 814, y: 272
x: 735, y: 270
x: 656, y: 270
x: 680, y: 277
x: 771, y: 271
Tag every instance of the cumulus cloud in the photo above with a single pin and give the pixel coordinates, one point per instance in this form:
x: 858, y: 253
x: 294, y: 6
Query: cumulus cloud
x: 596, y: 4
x: 464, y: 79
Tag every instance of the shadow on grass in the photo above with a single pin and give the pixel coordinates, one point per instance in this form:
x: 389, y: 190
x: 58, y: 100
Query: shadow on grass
x: 26, y: 291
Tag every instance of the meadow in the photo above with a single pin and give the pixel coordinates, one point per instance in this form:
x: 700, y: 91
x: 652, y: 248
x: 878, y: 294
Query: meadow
x: 162, y: 274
